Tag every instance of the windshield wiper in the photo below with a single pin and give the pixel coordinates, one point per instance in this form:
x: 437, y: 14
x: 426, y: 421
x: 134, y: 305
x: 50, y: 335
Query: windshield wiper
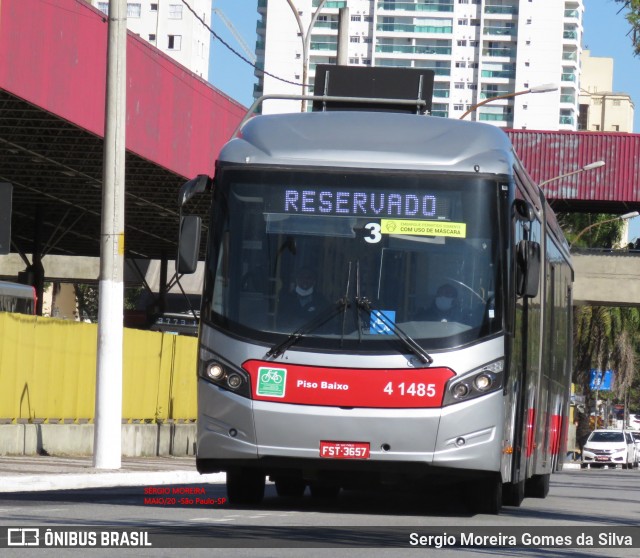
x: 338, y: 306
x: 364, y: 304
x: 345, y: 306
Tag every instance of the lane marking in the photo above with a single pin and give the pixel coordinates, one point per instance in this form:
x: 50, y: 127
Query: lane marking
x: 212, y: 520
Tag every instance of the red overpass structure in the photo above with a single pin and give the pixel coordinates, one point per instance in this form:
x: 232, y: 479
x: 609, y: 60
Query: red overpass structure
x: 53, y: 57
x: 52, y: 105
x: 614, y: 188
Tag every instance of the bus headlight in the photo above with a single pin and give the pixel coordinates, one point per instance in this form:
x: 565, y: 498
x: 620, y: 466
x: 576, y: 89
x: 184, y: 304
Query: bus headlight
x: 475, y: 383
x: 234, y: 381
x: 215, y: 371
x: 482, y: 382
x: 460, y: 390
x: 226, y: 377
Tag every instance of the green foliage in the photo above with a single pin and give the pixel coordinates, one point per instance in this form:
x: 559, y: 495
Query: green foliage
x: 606, y: 235
x: 131, y: 296
x: 87, y: 296
x: 632, y: 15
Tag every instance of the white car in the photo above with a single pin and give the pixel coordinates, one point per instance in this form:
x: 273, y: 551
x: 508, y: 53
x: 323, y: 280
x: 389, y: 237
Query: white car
x: 609, y: 447
x: 630, y: 439
x: 636, y: 441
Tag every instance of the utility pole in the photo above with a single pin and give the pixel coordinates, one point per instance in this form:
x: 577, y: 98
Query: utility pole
x: 107, y: 440
x: 343, y: 37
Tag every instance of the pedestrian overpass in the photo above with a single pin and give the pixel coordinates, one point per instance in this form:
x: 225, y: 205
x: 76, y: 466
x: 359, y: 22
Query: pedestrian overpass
x: 606, y: 278
x: 599, y: 275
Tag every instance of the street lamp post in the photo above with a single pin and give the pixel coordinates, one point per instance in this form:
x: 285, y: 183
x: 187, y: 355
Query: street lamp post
x: 537, y: 89
x: 624, y: 217
x: 590, y: 166
x: 306, y: 43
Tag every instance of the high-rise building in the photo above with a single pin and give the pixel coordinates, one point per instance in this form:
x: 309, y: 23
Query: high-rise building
x: 171, y: 27
x: 601, y: 108
x: 477, y: 48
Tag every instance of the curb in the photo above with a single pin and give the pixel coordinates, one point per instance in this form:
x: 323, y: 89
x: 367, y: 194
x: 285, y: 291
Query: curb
x: 72, y: 481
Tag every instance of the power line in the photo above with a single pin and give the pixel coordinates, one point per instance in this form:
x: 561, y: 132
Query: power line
x: 234, y: 51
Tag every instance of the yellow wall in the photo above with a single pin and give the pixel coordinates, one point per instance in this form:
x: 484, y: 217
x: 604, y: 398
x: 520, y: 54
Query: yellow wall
x: 48, y: 372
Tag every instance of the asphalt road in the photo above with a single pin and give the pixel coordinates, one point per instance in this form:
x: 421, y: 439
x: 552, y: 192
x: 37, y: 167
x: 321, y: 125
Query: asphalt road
x: 598, y: 503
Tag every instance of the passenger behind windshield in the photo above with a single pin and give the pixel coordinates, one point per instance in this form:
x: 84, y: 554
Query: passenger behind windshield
x: 302, y: 302
x: 445, y: 306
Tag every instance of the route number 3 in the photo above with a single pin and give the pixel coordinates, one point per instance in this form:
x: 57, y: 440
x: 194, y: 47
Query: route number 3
x: 375, y: 235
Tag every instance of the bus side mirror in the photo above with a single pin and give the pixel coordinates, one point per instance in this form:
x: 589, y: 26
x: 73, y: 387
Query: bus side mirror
x: 528, y: 268
x: 188, y: 244
x: 523, y: 211
x: 197, y: 185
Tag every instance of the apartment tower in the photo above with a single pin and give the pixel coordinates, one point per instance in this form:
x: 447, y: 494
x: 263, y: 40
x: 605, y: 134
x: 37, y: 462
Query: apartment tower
x: 477, y: 49
x: 171, y: 27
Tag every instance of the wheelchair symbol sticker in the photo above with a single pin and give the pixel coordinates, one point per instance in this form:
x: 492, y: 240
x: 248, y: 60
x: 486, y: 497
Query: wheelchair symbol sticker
x: 381, y: 320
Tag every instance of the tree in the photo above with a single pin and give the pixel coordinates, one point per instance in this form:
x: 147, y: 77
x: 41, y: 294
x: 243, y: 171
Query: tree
x: 605, y: 236
x: 604, y: 337
x: 87, y: 297
x: 633, y: 17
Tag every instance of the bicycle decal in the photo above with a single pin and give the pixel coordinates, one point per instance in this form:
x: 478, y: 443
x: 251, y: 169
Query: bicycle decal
x: 271, y: 381
x: 272, y: 375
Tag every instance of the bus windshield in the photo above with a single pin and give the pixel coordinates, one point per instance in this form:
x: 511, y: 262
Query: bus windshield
x: 17, y: 298
x: 349, y: 257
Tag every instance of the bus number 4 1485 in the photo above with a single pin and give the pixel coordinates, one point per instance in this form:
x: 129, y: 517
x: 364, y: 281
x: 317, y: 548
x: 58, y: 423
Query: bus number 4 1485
x: 412, y: 389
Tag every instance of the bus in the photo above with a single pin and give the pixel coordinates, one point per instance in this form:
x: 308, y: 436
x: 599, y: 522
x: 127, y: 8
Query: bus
x: 17, y: 298
x: 435, y: 342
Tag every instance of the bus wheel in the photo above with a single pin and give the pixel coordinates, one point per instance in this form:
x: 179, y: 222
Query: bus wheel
x: 486, y: 495
x: 538, y: 486
x: 513, y: 493
x: 324, y: 490
x: 245, y: 486
x: 290, y: 487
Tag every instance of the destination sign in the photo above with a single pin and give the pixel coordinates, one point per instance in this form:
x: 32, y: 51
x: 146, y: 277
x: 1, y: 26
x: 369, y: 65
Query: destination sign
x: 361, y: 203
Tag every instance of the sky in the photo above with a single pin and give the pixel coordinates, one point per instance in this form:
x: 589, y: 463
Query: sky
x: 227, y: 71
x: 605, y: 34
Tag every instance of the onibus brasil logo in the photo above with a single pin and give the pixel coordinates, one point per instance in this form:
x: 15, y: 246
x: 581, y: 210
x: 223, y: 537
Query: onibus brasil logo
x: 271, y: 381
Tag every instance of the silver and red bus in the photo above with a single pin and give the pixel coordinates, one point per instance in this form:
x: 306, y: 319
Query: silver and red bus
x: 17, y: 298
x: 434, y: 344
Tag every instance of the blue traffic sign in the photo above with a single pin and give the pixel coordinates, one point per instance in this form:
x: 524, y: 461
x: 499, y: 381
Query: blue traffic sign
x: 601, y: 380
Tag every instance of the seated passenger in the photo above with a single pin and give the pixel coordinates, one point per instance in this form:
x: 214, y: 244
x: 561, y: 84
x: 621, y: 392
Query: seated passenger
x: 303, y: 303
x: 445, y: 306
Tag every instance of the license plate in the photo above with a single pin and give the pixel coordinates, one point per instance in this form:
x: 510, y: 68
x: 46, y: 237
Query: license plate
x: 602, y: 458
x: 344, y: 450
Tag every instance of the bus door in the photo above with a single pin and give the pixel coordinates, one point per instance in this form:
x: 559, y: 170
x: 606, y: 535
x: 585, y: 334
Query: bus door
x: 525, y: 366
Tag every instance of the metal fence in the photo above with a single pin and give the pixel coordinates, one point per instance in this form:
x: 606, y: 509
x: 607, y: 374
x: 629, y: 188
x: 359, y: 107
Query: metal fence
x: 48, y: 372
